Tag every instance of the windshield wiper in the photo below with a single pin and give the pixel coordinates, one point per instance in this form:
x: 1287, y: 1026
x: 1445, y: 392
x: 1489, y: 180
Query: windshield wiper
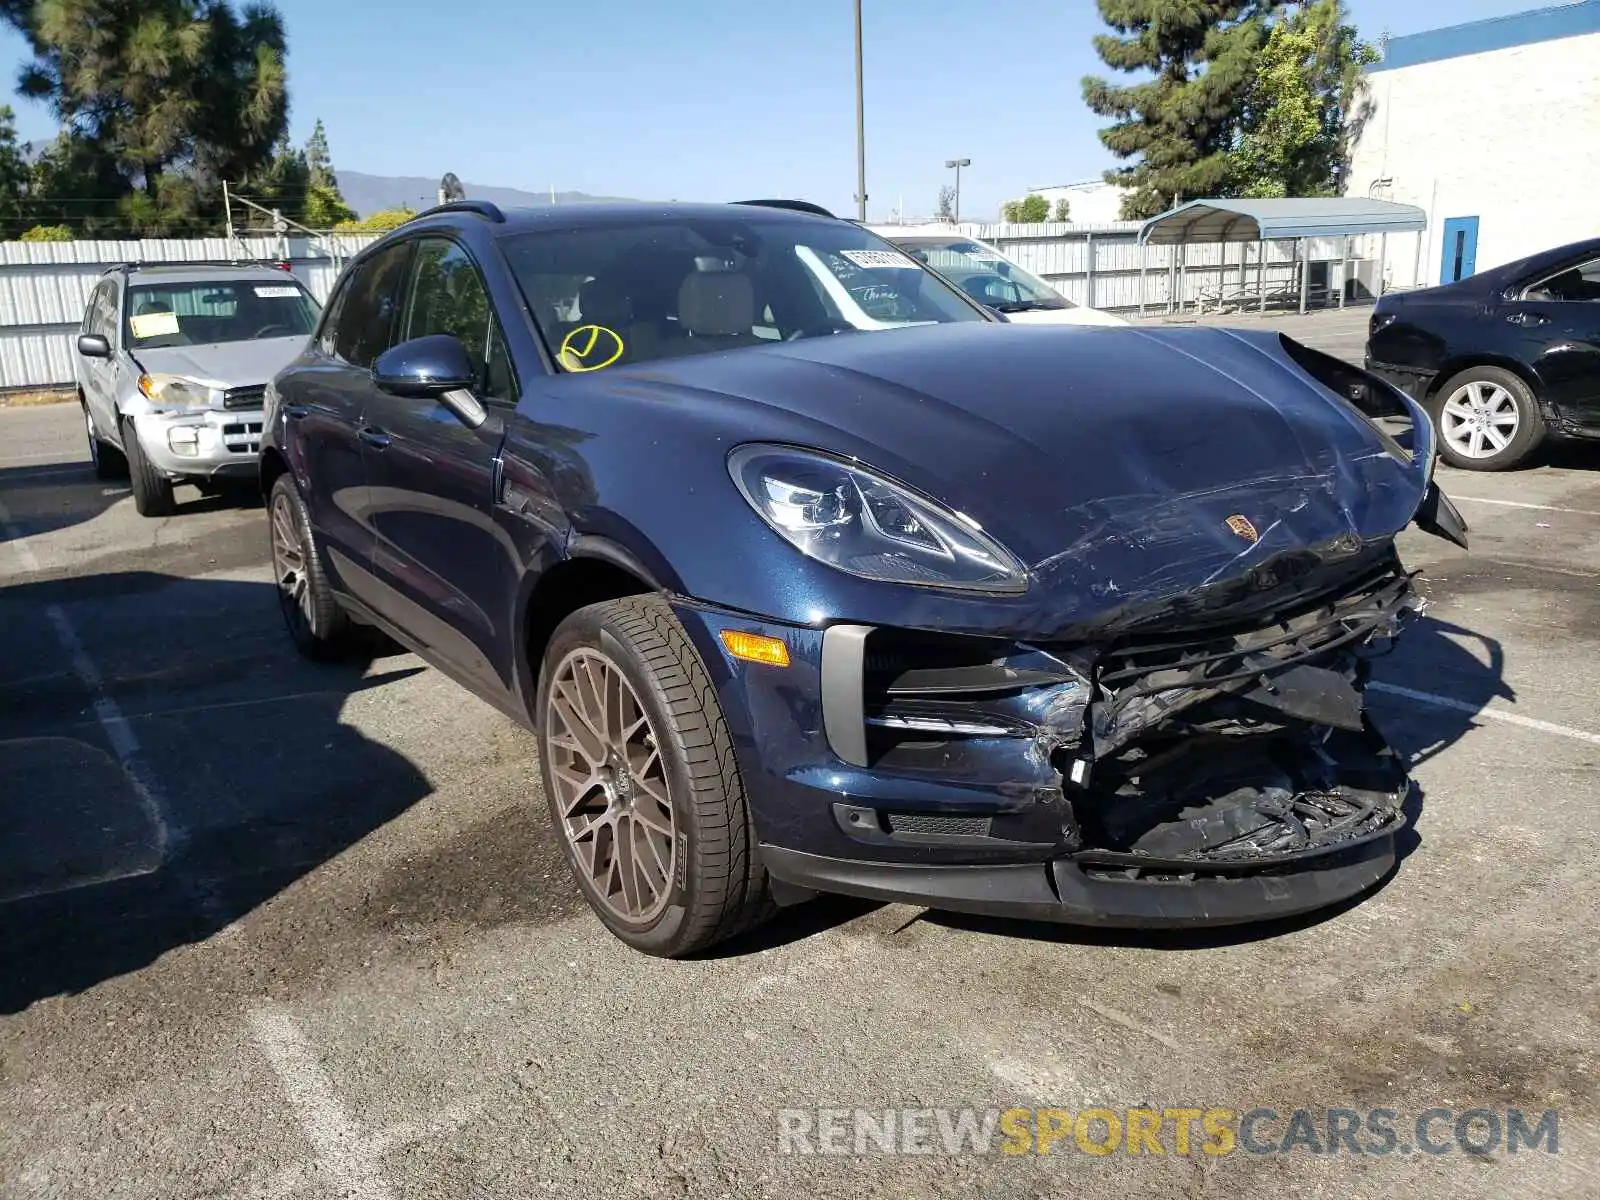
x: 1011, y: 306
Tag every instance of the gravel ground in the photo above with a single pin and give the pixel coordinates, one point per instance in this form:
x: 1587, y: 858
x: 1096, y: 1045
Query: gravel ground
x: 275, y: 930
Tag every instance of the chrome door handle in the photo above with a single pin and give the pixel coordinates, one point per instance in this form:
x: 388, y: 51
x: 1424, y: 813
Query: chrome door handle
x: 1527, y: 318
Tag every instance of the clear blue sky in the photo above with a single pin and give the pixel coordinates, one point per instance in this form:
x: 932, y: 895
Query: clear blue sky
x: 714, y: 99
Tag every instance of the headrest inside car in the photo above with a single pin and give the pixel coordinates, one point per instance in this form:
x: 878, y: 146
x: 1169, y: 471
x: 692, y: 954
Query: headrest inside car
x: 716, y: 304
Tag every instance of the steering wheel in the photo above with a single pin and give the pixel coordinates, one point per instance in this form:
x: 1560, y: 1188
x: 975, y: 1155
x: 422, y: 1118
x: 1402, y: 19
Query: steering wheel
x: 266, y: 329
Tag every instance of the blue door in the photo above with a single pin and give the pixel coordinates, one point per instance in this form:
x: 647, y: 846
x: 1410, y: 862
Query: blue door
x: 1460, y: 256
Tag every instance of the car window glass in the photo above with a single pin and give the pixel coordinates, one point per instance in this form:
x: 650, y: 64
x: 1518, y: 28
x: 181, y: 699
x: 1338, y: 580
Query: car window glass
x: 207, y: 312
x: 1580, y: 283
x: 984, y: 274
x: 367, y: 316
x: 103, y: 317
x: 629, y: 292
x: 448, y: 296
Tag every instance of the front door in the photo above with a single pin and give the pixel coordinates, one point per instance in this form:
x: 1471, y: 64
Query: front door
x: 445, y: 570
x: 1459, y: 259
x: 325, y: 401
x: 101, y: 376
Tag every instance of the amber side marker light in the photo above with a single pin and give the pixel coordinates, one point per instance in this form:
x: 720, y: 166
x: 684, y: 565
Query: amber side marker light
x: 753, y: 647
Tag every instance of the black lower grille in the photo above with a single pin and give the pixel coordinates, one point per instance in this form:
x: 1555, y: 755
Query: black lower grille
x: 931, y: 823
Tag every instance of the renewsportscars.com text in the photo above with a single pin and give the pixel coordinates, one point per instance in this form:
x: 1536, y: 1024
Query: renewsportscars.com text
x: 1181, y: 1131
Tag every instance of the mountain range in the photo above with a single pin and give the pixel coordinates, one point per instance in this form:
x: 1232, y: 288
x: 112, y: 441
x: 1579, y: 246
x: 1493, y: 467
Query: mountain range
x: 368, y: 194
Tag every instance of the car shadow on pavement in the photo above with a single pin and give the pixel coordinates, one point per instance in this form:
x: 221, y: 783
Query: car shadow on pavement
x: 185, y: 790
x: 40, y: 500
x: 1433, y: 658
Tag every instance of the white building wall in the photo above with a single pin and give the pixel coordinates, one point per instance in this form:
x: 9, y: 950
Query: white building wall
x: 1509, y: 136
x: 1094, y: 202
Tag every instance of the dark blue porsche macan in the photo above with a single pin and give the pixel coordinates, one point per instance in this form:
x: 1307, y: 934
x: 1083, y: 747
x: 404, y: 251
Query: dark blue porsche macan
x: 810, y: 574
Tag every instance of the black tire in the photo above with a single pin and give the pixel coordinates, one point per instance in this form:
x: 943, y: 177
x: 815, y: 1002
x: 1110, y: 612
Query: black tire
x: 1504, y: 393
x: 717, y: 886
x: 319, y: 628
x: 107, y: 460
x: 152, y: 491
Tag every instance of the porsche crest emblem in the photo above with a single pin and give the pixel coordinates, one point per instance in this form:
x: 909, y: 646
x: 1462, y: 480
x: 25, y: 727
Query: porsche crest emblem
x: 1240, y: 525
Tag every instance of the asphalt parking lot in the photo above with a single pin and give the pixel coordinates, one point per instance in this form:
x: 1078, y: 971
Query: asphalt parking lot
x: 275, y: 930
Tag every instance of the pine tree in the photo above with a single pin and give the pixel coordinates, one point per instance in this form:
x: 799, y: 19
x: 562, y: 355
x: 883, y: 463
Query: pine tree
x: 325, y: 206
x: 1181, y: 125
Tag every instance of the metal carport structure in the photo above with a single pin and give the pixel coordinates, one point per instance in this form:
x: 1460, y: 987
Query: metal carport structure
x: 1297, y: 219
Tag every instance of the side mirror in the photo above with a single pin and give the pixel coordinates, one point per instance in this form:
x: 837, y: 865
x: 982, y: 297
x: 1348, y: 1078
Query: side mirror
x: 93, y: 345
x: 435, y: 367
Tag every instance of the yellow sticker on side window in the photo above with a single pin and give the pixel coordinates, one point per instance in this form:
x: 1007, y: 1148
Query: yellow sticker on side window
x: 155, y: 324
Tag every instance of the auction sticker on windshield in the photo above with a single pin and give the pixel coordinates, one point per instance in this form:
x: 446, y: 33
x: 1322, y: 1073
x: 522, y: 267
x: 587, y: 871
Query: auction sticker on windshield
x: 156, y: 324
x: 277, y: 292
x: 878, y: 258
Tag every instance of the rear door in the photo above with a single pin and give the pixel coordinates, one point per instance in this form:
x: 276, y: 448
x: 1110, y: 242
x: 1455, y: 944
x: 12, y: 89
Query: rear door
x: 445, y: 570
x: 1557, y: 319
x: 324, y: 400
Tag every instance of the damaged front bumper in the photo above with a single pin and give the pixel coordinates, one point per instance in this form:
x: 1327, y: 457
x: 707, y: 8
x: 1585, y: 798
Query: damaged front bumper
x: 1201, y: 775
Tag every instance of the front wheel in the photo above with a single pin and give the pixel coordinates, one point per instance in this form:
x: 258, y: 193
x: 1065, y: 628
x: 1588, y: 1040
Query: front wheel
x: 152, y: 491
x: 639, y: 772
x: 1488, y: 419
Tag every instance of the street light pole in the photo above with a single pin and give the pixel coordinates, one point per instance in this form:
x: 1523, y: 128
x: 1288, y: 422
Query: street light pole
x: 861, y: 129
x: 958, y: 163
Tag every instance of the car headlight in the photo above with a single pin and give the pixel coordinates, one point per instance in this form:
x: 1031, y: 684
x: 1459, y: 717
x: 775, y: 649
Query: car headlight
x: 852, y: 518
x: 175, y: 392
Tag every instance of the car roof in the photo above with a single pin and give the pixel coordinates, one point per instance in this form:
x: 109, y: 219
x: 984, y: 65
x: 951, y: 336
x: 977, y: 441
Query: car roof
x: 613, y: 212
x: 205, y: 273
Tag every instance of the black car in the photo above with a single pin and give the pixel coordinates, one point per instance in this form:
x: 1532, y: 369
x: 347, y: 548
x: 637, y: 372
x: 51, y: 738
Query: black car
x: 1501, y: 360
x: 810, y: 574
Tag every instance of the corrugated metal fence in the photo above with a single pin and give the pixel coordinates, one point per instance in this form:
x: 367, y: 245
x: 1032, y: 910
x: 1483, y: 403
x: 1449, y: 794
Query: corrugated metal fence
x: 44, y: 287
x: 1103, y: 266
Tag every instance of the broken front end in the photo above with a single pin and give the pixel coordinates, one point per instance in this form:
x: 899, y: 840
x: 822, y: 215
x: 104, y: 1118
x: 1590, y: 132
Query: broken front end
x: 1199, y: 768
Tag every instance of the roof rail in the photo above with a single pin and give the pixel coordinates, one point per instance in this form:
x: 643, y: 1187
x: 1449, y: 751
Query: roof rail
x: 804, y: 206
x: 242, y: 264
x: 483, y: 208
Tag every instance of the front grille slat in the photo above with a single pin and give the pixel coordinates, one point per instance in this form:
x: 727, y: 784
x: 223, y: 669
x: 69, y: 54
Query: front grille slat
x: 251, y: 396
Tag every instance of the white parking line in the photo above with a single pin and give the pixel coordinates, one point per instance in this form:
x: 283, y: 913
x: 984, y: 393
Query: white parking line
x: 1479, y: 710
x: 1576, y: 512
x: 123, y: 742
x: 345, y: 1158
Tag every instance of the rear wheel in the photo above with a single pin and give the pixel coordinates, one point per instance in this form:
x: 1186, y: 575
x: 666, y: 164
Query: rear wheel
x: 1488, y: 419
x: 319, y: 628
x: 152, y: 491
x: 639, y: 772
x: 107, y: 460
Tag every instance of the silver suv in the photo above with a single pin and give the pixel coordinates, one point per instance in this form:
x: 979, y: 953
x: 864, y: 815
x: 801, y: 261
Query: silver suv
x: 172, y: 365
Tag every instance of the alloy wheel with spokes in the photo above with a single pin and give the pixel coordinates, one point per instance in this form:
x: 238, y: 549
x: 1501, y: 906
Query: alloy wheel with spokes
x: 1480, y: 419
x: 613, y: 796
x: 289, y: 562
x: 317, y: 624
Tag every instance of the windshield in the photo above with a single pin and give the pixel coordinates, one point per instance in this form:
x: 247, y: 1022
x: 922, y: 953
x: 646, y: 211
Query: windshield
x: 983, y: 274
x: 209, y: 311
x: 632, y: 292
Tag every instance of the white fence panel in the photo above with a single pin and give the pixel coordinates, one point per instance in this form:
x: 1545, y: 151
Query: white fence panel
x: 44, y: 287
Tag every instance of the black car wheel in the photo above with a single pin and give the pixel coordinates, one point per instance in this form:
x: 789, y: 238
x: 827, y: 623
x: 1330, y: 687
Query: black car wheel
x: 320, y: 629
x: 639, y: 772
x: 107, y: 460
x: 152, y: 491
x: 1488, y: 419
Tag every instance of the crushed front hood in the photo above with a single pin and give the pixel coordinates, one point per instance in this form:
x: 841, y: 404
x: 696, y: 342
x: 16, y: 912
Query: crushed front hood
x: 1127, y: 467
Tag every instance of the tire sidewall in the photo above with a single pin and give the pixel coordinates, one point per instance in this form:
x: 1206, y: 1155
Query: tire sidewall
x: 152, y: 492
x: 302, y: 629
x: 1530, y: 421
x: 588, y: 628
